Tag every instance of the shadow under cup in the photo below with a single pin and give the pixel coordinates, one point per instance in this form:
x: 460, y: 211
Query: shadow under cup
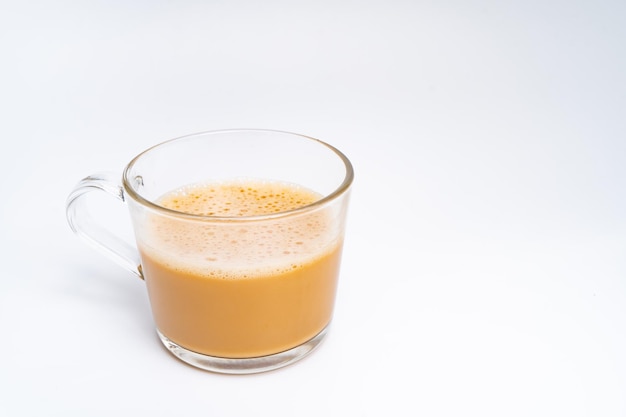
x: 245, y: 292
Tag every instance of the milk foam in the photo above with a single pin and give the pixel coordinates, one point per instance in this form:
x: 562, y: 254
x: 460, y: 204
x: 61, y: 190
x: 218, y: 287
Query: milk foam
x: 239, y: 249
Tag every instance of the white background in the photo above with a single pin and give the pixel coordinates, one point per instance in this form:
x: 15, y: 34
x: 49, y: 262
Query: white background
x: 484, y: 271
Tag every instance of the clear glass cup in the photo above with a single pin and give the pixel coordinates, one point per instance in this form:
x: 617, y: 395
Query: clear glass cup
x: 231, y: 292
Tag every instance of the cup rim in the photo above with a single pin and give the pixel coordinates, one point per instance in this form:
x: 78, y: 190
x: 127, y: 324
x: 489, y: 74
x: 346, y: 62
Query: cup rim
x: 329, y: 197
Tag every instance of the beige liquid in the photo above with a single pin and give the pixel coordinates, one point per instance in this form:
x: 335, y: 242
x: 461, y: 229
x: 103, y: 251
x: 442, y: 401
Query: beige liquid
x: 234, y: 289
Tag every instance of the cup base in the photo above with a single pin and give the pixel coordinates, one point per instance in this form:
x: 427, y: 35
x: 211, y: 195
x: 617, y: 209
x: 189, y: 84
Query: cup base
x: 243, y: 365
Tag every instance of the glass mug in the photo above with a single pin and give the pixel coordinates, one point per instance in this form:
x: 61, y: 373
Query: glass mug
x: 238, y: 237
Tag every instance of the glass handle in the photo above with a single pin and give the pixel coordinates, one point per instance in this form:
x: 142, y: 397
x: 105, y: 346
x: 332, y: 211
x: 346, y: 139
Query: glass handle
x: 83, y: 224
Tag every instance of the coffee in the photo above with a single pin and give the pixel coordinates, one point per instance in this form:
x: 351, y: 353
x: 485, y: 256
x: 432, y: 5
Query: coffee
x: 239, y: 289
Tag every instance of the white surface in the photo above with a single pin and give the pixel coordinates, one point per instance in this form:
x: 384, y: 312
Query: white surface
x: 484, y: 272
